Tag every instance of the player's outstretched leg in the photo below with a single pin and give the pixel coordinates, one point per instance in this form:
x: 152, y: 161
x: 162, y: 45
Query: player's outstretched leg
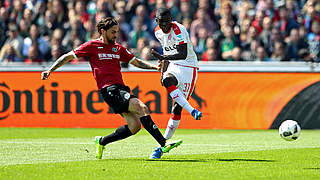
x: 157, y: 153
x: 99, y: 147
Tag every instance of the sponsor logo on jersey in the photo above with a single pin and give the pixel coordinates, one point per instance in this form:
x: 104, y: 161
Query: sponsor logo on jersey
x: 104, y: 56
x: 114, y: 49
x: 170, y: 48
x: 100, y: 47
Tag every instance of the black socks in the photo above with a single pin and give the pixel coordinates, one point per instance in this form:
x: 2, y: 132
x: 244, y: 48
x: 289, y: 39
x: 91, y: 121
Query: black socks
x: 120, y: 133
x: 151, y: 127
x: 124, y: 132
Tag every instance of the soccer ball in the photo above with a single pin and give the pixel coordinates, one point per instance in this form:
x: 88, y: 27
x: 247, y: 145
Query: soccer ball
x: 289, y: 130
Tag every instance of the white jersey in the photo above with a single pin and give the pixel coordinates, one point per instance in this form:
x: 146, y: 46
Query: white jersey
x: 178, y: 34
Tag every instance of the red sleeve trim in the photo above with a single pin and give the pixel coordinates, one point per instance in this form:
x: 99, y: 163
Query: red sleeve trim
x: 176, y: 29
x: 156, y: 29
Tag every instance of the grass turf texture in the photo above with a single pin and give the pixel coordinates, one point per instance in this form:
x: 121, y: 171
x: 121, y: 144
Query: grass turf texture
x: 52, y: 153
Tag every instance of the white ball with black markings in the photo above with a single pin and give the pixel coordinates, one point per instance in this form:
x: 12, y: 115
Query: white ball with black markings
x: 289, y: 130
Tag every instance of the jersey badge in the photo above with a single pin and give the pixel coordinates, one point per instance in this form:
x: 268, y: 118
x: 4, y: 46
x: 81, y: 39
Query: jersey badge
x: 114, y: 49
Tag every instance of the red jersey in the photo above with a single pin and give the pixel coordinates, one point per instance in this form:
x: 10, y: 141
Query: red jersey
x: 104, y: 60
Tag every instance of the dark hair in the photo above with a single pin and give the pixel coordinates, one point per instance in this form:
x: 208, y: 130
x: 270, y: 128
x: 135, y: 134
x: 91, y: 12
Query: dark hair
x: 163, y: 11
x: 106, y: 24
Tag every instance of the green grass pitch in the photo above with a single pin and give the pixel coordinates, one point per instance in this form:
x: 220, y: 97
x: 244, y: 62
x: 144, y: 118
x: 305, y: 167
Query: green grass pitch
x: 53, y: 153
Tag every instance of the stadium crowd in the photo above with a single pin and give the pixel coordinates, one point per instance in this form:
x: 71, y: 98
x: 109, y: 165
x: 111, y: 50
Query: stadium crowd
x: 221, y: 30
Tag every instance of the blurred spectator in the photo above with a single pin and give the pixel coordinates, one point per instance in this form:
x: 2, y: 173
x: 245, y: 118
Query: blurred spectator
x: 210, y: 55
x: 310, y: 14
x: 275, y: 36
x: 279, y: 53
x: 314, y: 40
x: 40, y: 9
x: 49, y: 24
x: 286, y: 23
x: 76, y: 31
x: 202, y: 21
x: 141, y: 16
x: 186, y: 22
x: 33, y: 54
x: 141, y: 43
x: 261, y: 54
x: 81, y: 11
x: 304, y: 55
x: 16, y: 13
x: 186, y: 12
x: 269, y: 9
x: 124, y: 28
x: 236, y: 54
x: 139, y: 30
x: 252, y: 35
x: 200, y: 47
x: 24, y: 28
x: 244, y: 28
x: 90, y: 30
x: 293, y: 9
x: 228, y: 43
x: 35, y: 37
x: 102, y: 10
x: 58, y: 8
x: 226, y: 13
x: 9, y: 54
x: 250, y: 54
x: 266, y: 32
x: 294, y: 45
x: 3, y: 25
x: 258, y: 21
x: 15, y: 40
x: 56, y: 52
x: 146, y: 53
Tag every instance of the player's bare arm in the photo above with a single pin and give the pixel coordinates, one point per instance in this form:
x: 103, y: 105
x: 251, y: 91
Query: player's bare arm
x: 58, y: 63
x: 182, y: 53
x: 144, y: 64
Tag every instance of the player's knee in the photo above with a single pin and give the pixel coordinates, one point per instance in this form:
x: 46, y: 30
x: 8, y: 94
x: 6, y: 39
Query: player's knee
x: 177, y: 109
x: 138, y: 107
x: 168, y: 81
x: 144, y: 109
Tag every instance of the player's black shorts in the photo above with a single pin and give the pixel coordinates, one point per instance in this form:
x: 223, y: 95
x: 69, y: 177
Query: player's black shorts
x: 117, y: 96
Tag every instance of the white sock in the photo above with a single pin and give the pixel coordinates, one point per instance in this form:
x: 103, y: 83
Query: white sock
x: 178, y: 97
x: 171, y: 128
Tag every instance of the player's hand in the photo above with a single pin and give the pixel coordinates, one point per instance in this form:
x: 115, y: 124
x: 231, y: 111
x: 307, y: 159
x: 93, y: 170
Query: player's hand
x: 157, y: 55
x: 45, y: 75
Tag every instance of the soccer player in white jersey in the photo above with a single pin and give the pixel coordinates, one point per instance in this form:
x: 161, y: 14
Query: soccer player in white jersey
x: 181, y: 74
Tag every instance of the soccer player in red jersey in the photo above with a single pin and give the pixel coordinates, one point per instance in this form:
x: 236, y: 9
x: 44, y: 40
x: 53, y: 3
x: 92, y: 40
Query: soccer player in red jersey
x: 104, y: 56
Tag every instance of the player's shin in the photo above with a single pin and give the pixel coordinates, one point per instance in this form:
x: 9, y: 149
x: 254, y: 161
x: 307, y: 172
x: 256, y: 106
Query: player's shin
x: 178, y: 97
x: 173, y: 124
x: 120, y: 133
x: 152, y: 128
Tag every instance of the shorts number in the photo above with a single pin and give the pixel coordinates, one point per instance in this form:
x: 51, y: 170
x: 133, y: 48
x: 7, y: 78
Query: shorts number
x: 186, y: 87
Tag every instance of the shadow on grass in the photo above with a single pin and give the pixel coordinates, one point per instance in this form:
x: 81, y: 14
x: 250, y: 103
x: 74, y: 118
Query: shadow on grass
x: 248, y: 160
x: 312, y: 168
x: 191, y: 160
x: 179, y: 160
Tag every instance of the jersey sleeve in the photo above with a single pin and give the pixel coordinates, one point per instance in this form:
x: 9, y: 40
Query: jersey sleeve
x: 181, y: 34
x: 126, y: 55
x: 83, y: 50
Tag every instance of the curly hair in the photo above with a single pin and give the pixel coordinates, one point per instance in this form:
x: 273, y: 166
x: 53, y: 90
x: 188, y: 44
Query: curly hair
x: 106, y: 24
